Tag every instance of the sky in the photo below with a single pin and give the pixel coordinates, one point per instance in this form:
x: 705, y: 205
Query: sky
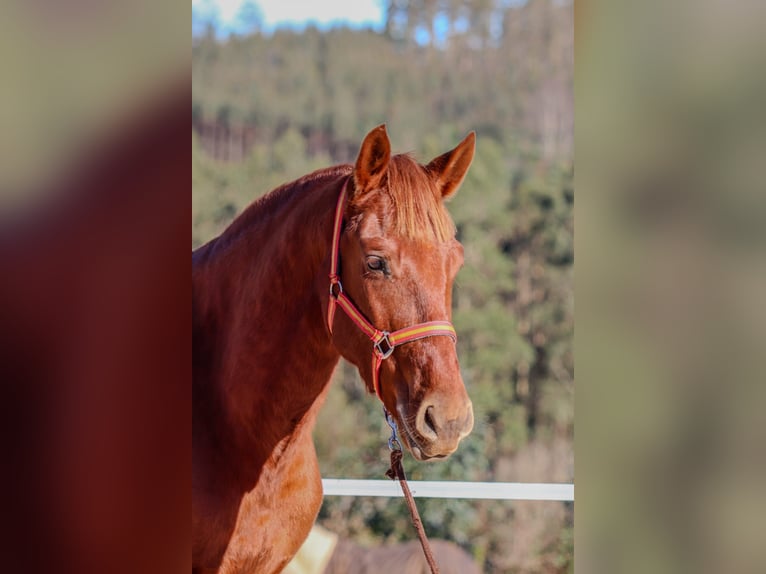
x: 300, y: 12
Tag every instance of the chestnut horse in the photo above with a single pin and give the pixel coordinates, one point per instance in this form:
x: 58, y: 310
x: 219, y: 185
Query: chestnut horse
x: 264, y: 345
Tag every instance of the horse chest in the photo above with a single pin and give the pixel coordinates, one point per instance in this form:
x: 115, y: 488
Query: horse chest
x: 276, y: 516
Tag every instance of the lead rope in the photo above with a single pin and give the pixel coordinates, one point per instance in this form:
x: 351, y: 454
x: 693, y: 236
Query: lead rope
x: 397, y: 472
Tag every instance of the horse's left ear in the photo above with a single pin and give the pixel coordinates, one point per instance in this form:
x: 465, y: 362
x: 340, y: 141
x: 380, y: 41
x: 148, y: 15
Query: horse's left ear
x: 449, y: 169
x: 372, y: 162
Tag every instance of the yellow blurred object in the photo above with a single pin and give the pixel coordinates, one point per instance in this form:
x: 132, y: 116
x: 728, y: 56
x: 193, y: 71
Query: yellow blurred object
x: 313, y: 556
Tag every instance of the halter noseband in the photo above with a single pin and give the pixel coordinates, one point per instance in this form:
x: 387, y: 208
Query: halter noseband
x: 383, y: 342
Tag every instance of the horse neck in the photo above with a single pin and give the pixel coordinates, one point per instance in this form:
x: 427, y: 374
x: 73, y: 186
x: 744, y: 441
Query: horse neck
x: 258, y: 299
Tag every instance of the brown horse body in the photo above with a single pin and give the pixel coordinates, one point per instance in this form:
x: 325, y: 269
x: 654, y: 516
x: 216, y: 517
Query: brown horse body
x: 263, y: 354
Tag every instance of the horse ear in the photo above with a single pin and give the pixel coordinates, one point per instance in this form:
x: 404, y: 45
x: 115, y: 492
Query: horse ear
x: 450, y: 168
x: 372, y: 162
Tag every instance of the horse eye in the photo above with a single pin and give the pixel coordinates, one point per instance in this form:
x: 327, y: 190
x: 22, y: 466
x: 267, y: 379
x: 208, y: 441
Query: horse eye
x: 376, y: 263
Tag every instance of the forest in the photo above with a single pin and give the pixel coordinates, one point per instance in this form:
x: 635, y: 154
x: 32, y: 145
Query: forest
x: 271, y: 106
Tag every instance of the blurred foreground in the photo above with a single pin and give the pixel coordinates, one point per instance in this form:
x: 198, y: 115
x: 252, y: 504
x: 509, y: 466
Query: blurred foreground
x: 671, y: 280
x: 94, y: 298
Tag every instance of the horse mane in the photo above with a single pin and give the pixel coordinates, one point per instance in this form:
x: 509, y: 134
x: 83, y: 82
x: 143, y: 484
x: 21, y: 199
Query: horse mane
x: 271, y: 202
x: 417, y: 210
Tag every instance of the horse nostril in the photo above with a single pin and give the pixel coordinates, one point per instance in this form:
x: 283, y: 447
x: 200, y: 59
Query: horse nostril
x: 428, y: 419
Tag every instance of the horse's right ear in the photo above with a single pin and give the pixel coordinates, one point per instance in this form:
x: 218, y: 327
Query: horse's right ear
x: 449, y: 169
x: 372, y: 162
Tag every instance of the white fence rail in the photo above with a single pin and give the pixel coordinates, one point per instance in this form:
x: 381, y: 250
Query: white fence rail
x: 450, y: 489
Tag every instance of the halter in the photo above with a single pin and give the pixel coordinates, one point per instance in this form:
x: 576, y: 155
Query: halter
x: 383, y: 342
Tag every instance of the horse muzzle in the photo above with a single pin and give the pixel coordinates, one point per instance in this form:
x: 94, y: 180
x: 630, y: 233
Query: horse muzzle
x: 437, y: 428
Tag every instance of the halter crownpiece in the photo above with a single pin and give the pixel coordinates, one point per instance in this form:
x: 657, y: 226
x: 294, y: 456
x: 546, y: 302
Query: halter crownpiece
x: 383, y: 342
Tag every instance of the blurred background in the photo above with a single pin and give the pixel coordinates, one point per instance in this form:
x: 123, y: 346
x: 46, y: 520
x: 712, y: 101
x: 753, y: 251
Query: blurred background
x: 282, y: 88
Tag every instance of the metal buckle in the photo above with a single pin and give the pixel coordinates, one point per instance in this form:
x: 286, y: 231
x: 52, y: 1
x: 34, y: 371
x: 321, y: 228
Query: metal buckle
x: 393, y: 440
x: 340, y: 289
x: 389, y: 346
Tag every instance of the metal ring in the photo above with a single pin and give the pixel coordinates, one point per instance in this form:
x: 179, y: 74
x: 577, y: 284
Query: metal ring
x: 340, y: 289
x: 390, y: 346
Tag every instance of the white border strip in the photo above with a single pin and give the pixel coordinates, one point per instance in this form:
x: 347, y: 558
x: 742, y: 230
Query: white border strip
x: 450, y: 489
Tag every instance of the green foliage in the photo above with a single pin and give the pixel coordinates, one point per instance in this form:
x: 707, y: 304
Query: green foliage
x: 310, y: 98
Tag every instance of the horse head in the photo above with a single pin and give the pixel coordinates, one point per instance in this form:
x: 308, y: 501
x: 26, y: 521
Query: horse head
x: 399, y: 257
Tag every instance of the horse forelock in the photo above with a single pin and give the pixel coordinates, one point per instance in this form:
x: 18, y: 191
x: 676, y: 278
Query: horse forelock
x: 414, y: 209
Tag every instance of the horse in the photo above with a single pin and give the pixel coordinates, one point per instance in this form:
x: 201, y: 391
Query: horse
x: 266, y: 339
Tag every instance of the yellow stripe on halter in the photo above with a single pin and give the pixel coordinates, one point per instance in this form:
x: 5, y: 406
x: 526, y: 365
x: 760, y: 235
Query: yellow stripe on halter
x: 419, y: 330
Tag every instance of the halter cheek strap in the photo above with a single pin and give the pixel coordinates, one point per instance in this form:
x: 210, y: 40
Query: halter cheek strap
x: 383, y: 342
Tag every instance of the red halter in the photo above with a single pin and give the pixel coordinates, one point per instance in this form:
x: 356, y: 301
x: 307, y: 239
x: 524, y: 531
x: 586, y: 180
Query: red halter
x: 383, y: 342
